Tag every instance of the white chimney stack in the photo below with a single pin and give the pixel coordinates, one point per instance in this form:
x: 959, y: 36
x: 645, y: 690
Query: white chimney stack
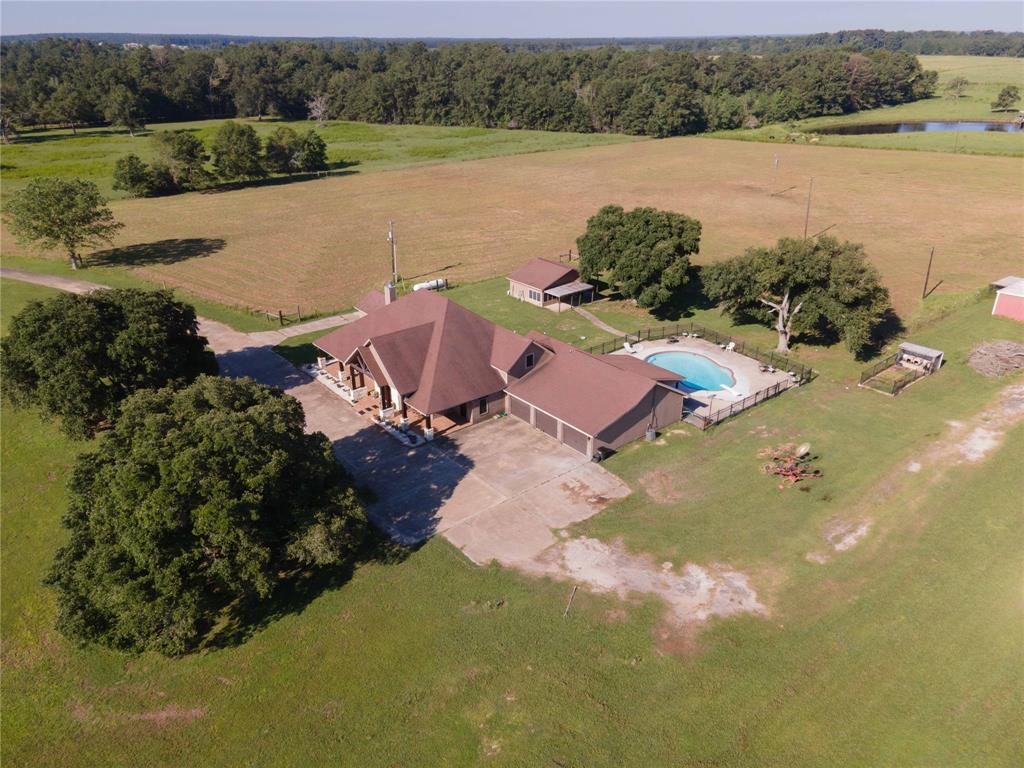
x: 390, y: 294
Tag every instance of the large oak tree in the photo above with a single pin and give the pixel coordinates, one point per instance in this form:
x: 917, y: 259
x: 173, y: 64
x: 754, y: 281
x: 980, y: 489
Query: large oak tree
x: 644, y: 253
x: 201, y: 499
x: 78, y: 357
x: 813, y: 287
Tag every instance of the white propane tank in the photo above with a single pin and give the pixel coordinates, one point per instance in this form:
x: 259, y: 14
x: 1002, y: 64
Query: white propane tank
x: 431, y: 285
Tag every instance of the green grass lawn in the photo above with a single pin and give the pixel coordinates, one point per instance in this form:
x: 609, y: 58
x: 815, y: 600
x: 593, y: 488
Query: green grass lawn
x: 299, y: 350
x: 902, y: 651
x: 986, y: 74
x: 489, y: 298
x: 351, y: 147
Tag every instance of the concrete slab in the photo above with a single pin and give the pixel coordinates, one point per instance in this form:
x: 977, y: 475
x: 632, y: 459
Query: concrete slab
x: 508, y: 533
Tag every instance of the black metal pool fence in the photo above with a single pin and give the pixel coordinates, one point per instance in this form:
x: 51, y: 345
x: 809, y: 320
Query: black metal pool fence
x: 703, y: 422
x: 801, y: 373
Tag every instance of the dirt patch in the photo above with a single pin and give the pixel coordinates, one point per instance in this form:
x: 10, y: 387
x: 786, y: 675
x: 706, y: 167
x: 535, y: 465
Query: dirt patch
x: 681, y: 642
x: 169, y: 715
x: 979, y: 443
x: 841, y: 535
x: 580, y: 492
x: 660, y: 486
x: 997, y: 358
x: 693, y: 595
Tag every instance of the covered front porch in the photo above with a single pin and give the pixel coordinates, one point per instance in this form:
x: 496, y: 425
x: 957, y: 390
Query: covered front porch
x: 380, y: 404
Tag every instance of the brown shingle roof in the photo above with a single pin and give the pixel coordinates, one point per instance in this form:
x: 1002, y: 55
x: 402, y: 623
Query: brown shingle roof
x: 437, y: 353
x: 583, y: 390
x: 543, y: 274
x: 371, y: 301
x: 641, y: 368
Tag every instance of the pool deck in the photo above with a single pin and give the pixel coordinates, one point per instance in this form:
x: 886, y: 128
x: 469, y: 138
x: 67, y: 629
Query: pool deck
x: 745, y: 370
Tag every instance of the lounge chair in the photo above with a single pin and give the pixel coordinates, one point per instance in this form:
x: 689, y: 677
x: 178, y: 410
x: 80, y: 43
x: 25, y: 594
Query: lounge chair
x: 730, y: 347
x: 629, y: 348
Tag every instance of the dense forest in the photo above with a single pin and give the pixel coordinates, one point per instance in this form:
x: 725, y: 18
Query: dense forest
x: 928, y: 42
x: 644, y: 91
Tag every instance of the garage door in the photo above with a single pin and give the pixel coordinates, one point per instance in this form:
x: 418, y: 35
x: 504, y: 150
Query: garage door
x: 546, y: 424
x: 519, y: 409
x: 574, y: 438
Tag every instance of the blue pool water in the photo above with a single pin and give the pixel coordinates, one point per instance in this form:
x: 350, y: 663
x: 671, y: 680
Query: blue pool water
x: 700, y: 372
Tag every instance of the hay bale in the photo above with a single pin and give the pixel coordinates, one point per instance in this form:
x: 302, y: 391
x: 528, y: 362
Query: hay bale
x: 997, y: 358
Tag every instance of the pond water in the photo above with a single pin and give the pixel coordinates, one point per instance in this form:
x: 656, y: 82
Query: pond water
x: 700, y: 372
x: 918, y: 127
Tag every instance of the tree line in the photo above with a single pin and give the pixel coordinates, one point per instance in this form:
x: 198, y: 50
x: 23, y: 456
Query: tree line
x: 927, y: 42
x: 236, y: 153
x: 655, y: 92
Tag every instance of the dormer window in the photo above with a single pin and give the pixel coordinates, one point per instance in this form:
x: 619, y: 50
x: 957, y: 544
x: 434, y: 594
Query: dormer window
x: 529, y: 360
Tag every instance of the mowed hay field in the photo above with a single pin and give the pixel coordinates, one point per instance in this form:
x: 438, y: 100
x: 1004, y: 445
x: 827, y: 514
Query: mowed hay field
x: 322, y: 244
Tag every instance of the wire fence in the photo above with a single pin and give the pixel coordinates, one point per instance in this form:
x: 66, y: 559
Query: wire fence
x: 802, y: 373
x: 895, y: 384
x: 878, y: 367
x: 715, y: 417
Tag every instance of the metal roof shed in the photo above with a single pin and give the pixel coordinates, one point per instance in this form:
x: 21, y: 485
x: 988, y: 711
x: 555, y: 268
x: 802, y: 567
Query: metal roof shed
x: 926, y: 354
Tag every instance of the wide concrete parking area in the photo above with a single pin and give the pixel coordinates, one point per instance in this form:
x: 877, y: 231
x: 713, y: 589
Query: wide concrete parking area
x: 498, y: 490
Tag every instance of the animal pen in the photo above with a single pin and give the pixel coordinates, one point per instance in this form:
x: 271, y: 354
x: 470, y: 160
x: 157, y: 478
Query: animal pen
x: 910, y: 363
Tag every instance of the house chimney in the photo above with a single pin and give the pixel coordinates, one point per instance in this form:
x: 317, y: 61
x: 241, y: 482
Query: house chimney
x: 390, y: 294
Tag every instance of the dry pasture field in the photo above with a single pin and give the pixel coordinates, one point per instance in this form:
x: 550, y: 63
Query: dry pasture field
x: 322, y: 243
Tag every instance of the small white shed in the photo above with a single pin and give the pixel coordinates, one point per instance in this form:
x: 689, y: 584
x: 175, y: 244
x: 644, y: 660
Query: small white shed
x: 915, y: 355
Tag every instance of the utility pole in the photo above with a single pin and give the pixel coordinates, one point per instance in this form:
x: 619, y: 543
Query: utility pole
x: 807, y: 216
x: 928, y: 274
x: 394, y: 253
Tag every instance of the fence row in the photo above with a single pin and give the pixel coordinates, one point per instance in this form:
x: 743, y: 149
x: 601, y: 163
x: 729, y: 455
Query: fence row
x: 703, y: 422
x: 896, y: 385
x: 878, y: 367
x: 802, y: 372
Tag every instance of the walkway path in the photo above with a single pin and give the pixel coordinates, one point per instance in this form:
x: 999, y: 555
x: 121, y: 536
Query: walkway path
x: 259, y: 338
x: 68, y: 284
x: 598, y: 322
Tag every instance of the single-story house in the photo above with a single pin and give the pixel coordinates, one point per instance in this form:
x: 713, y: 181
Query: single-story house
x: 545, y: 283
x: 1009, y: 298
x: 430, y: 354
x: 424, y: 353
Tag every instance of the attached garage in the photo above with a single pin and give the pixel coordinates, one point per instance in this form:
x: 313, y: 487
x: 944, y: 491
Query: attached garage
x: 545, y: 423
x: 575, y: 439
x: 519, y: 409
x: 549, y: 425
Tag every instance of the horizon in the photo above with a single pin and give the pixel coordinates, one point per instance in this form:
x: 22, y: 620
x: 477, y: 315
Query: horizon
x: 525, y: 20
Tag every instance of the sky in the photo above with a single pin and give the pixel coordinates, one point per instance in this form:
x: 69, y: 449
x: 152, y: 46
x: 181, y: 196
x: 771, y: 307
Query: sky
x: 579, y: 18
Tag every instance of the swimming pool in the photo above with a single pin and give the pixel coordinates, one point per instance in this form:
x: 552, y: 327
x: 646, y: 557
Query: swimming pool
x: 700, y: 372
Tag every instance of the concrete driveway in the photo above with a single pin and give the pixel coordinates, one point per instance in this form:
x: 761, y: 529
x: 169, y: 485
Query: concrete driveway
x: 497, y: 490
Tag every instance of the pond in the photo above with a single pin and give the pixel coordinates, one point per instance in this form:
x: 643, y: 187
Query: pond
x: 861, y: 129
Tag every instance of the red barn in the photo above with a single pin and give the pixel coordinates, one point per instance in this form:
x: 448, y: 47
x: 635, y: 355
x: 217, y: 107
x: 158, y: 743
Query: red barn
x: 1009, y: 298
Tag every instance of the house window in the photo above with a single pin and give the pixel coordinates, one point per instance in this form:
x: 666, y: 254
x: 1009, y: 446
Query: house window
x: 535, y: 295
x: 529, y: 360
x: 482, y: 405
